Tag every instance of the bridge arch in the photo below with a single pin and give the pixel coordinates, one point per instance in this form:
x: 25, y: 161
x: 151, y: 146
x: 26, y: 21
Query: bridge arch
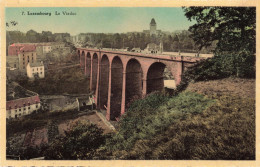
x: 155, y: 80
x: 116, y: 87
x: 134, y: 75
x: 94, y: 71
x: 103, y: 82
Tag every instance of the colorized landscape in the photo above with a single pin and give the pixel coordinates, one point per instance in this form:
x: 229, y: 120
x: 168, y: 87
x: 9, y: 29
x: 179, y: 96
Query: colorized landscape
x: 125, y: 89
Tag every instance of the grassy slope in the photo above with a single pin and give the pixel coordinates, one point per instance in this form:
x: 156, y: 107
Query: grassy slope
x: 210, y: 120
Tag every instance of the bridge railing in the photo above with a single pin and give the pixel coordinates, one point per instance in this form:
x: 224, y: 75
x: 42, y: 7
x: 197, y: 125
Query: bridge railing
x: 182, y: 57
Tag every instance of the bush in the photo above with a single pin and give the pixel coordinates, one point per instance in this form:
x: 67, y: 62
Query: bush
x: 223, y: 66
x: 151, y: 116
x: 81, y: 142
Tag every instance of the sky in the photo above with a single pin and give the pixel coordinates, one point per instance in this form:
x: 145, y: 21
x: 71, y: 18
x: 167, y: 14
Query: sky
x: 96, y: 19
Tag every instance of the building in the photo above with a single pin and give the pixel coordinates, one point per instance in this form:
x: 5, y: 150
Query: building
x: 19, y: 55
x: 153, y: 29
x: 87, y: 102
x: 153, y: 48
x: 58, y: 45
x: 136, y: 50
x: 23, y: 106
x: 35, y: 69
x: 20, y: 101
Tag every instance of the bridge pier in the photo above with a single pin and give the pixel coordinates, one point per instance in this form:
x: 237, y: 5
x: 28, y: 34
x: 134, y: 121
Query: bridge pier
x: 91, y: 70
x: 134, y: 76
x: 98, y: 76
x: 109, y: 94
x: 85, y: 65
x: 123, y: 92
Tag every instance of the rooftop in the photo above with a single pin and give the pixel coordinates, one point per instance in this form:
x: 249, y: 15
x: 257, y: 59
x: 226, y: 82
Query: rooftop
x: 15, y: 91
x: 36, y: 64
x: 153, y: 21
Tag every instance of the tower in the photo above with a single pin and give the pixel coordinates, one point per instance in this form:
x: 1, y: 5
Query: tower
x: 153, y: 27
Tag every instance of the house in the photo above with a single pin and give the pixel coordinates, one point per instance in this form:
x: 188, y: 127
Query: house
x: 136, y: 50
x: 19, y: 55
x: 34, y: 69
x: 22, y: 106
x: 153, y: 48
x: 86, y: 102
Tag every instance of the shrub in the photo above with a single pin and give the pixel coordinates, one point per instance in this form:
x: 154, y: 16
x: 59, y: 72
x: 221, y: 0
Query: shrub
x: 151, y: 116
x: 81, y: 142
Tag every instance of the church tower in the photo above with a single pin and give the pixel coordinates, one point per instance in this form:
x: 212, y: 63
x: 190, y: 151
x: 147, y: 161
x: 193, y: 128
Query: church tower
x: 153, y: 27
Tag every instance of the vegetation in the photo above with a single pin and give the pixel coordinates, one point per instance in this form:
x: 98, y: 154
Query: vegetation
x: 234, y: 29
x: 37, y: 120
x: 80, y: 142
x: 207, y: 125
x: 70, y: 80
x: 176, y: 41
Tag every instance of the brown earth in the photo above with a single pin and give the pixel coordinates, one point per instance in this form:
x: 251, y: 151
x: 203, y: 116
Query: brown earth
x: 244, y: 88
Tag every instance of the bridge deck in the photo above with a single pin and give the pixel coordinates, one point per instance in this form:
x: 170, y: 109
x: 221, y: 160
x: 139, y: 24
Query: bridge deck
x: 170, y: 56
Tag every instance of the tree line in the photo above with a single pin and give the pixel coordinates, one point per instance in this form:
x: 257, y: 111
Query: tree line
x: 173, y: 42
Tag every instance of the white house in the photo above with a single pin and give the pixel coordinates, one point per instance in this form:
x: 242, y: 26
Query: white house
x: 23, y: 106
x: 34, y: 69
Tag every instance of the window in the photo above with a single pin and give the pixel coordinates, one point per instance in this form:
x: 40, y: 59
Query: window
x: 36, y: 105
x: 24, y: 108
x: 32, y: 54
x: 20, y: 114
x: 33, y: 70
x: 28, y: 60
x: 29, y: 108
x: 23, y: 58
x: 41, y: 72
x: 19, y: 109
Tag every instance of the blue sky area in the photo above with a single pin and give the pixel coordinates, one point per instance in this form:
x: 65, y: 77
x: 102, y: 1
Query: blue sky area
x: 97, y: 19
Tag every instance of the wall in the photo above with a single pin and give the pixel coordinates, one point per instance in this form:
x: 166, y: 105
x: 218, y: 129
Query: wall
x: 22, y: 111
x: 26, y: 57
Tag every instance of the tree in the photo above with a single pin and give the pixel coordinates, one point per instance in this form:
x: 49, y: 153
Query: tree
x: 80, y: 142
x: 233, y: 27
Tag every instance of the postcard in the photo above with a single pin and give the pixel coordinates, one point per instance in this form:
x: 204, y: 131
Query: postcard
x: 120, y: 83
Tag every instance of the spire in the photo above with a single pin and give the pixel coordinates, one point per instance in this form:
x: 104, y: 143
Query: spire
x: 153, y: 21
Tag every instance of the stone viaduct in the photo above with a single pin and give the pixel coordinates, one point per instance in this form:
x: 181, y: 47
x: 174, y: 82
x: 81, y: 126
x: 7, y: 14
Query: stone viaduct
x: 117, y: 78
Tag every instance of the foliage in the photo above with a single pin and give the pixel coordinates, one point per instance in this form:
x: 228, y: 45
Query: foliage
x: 25, y: 153
x: 37, y: 120
x: 234, y: 30
x: 226, y: 130
x: 218, y: 67
x: 188, y: 126
x: 151, y: 116
x: 53, y: 130
x: 80, y: 142
x: 233, y: 27
x: 56, y: 82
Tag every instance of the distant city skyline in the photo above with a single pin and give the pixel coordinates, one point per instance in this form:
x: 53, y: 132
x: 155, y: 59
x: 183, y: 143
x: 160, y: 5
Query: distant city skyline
x: 96, y: 20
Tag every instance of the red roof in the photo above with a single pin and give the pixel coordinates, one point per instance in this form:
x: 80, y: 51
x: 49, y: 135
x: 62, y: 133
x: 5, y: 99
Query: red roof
x: 18, y: 103
x: 15, y: 49
x: 28, y: 48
